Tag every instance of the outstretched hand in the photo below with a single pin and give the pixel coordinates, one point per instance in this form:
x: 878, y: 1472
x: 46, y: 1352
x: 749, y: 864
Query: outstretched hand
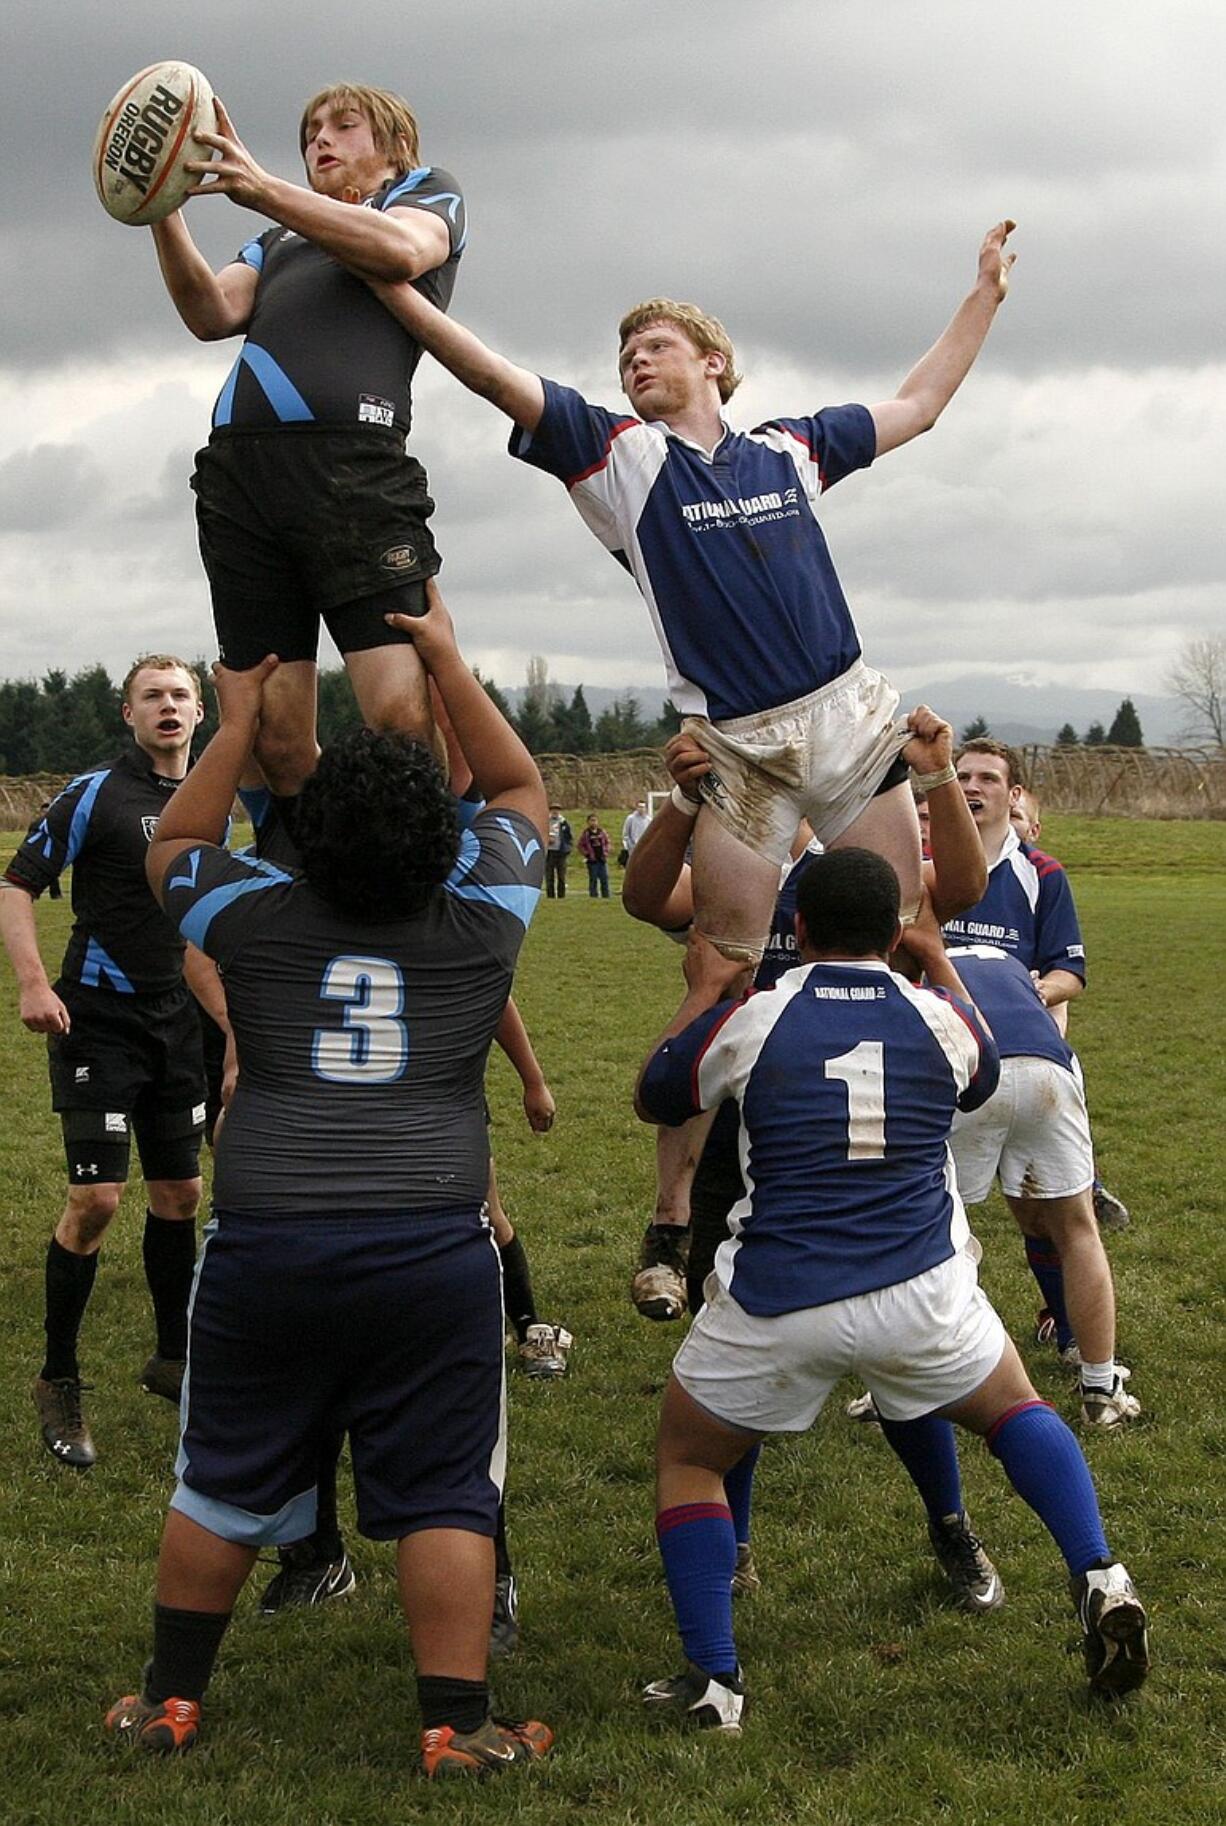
x: 433, y: 633
x: 240, y: 695
x: 235, y: 173
x: 995, y: 264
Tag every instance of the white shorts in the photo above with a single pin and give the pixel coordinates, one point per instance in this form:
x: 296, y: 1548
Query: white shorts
x: 918, y: 1345
x: 1034, y: 1131
x: 821, y: 758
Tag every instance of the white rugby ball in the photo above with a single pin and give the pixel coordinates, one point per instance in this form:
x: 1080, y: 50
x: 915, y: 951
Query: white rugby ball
x: 145, y: 139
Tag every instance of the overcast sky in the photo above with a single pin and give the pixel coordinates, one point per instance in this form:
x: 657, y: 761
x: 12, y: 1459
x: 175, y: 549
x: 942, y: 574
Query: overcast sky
x: 817, y: 173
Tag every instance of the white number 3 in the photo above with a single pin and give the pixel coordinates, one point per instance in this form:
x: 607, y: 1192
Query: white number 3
x: 373, y: 1045
x: 862, y: 1070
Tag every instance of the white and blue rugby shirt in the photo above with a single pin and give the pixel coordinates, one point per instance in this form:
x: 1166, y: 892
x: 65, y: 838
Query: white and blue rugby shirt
x: 848, y: 1078
x: 1027, y: 909
x: 725, y: 547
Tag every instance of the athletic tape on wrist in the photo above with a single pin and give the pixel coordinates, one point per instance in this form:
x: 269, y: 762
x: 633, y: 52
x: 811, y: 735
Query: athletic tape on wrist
x: 689, y: 808
x: 927, y: 782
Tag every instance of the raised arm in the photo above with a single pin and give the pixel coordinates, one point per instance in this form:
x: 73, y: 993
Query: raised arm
x: 199, y: 811
x: 504, y: 771
x: 387, y: 244
x: 957, y: 875
x: 212, y: 305
x: 516, y: 391
x: 657, y: 887
x: 936, y: 377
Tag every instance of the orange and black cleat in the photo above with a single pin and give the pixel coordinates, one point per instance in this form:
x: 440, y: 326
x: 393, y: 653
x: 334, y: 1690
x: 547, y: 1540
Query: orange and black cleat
x: 162, y: 1726
x: 498, y: 1744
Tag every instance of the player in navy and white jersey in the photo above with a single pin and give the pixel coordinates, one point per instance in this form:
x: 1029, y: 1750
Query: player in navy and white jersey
x: 307, y: 505
x: 719, y: 530
x: 122, y: 1040
x: 1027, y: 908
x: 850, y: 1251
x: 349, y: 1278
x: 1035, y: 1136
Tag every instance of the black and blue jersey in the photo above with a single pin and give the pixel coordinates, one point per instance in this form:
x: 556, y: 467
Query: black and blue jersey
x: 320, y: 349
x: 100, y: 826
x: 362, y: 1046
x: 848, y: 1078
x: 724, y: 545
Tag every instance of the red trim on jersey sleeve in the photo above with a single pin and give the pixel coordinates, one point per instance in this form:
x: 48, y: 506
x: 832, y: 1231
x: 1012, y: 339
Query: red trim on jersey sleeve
x: 707, y: 1043
x: 1043, y: 863
x: 624, y: 424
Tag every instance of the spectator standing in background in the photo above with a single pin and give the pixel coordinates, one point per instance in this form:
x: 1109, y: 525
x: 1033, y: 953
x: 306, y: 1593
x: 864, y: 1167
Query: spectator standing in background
x: 594, y: 847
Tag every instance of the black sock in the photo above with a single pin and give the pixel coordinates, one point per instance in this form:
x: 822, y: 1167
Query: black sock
x: 70, y: 1281
x: 170, y: 1262
x: 185, y: 1645
x: 502, y: 1553
x: 517, y: 1296
x: 462, y: 1704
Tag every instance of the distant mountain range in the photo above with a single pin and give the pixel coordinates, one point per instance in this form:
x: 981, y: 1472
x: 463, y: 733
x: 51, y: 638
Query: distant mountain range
x: 1015, y: 710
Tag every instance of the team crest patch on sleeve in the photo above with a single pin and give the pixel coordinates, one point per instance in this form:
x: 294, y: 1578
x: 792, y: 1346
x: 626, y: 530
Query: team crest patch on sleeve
x: 149, y: 825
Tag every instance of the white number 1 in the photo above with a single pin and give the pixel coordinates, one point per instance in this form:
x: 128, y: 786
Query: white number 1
x: 862, y: 1070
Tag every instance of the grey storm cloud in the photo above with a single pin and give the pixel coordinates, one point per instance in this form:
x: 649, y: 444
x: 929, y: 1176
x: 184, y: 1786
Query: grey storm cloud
x: 818, y: 175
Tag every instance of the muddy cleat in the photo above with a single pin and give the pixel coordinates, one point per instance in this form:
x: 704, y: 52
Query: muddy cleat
x: 305, y: 1580
x: 700, y: 1700
x: 1111, y: 1212
x: 658, y: 1288
x: 62, y: 1422
x: 864, y: 1409
x: 746, y: 1579
x: 164, y: 1376
x: 504, y: 1626
x: 1109, y: 1408
x: 163, y: 1726
x: 544, y: 1351
x: 498, y: 1744
x: 975, y: 1581
x: 1113, y: 1618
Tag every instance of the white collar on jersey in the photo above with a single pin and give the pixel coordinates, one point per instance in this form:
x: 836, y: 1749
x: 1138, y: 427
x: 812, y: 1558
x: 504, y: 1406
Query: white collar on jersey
x: 691, y: 444
x: 848, y: 963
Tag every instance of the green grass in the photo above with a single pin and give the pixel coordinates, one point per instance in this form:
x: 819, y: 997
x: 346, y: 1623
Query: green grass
x: 873, y: 1701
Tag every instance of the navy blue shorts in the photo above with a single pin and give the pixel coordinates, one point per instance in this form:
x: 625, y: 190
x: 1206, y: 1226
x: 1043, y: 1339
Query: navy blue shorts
x: 389, y: 1327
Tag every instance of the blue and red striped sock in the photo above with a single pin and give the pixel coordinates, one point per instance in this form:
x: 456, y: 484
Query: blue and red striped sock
x: 1046, y: 1467
x: 698, y: 1547
x: 1045, y: 1267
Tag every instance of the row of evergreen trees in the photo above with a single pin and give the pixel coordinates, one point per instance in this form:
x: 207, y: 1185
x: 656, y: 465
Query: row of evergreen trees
x: 60, y: 725
x: 1125, y: 731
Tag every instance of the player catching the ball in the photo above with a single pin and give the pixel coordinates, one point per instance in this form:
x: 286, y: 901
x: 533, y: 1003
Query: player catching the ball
x: 307, y: 505
x: 718, y: 529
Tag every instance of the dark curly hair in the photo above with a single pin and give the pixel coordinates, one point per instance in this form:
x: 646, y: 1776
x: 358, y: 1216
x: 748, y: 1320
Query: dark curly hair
x: 848, y: 900
x: 375, y: 826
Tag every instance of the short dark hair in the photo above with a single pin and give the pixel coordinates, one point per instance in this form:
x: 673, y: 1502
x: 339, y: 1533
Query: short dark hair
x: 375, y: 826
x: 848, y: 900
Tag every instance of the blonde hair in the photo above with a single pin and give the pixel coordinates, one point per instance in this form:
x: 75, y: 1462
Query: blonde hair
x: 393, y: 125
x: 706, y: 333
x: 160, y: 662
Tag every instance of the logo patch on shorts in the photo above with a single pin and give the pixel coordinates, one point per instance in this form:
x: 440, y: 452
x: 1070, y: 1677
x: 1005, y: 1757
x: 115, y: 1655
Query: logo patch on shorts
x: 149, y: 826
x: 116, y: 1123
x: 81, y: 1075
x: 197, y: 1115
x: 399, y: 558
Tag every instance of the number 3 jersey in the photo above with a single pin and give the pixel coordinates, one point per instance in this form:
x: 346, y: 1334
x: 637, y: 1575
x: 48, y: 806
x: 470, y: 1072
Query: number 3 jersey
x: 848, y: 1078
x: 362, y: 1046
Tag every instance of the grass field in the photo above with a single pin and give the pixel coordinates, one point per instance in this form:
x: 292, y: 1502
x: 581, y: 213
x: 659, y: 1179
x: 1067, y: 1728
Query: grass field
x: 873, y: 1700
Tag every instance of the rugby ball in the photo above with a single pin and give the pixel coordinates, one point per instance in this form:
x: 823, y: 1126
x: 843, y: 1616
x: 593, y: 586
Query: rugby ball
x: 145, y: 139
